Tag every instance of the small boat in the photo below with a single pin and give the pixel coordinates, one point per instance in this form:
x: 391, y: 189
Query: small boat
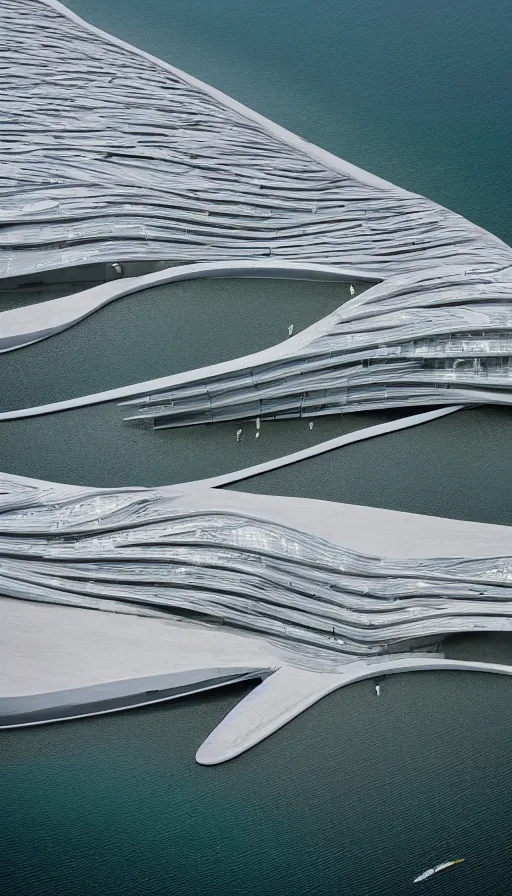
x: 436, y: 869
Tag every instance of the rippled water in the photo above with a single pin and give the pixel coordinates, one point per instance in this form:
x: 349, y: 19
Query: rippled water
x: 457, y: 466
x: 164, y: 330
x: 86, y: 446
x: 357, y: 796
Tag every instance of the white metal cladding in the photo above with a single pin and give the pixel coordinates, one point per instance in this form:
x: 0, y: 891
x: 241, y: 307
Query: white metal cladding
x: 93, y: 548
x: 108, y: 154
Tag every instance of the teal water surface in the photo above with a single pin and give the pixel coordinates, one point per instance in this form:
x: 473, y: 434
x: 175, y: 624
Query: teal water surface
x: 457, y: 466
x: 164, y: 330
x: 85, y: 447
x: 357, y: 796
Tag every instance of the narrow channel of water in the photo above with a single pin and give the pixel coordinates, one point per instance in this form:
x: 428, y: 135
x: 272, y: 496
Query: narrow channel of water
x: 164, y: 330
x: 457, y: 466
x: 92, y: 446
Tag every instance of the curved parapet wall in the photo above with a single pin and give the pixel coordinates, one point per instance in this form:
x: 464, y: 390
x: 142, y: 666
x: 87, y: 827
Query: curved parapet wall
x: 172, y: 169
x: 114, y: 696
x: 32, y: 323
x: 441, y: 338
x: 419, y: 339
x: 350, y: 438
x: 60, y: 663
x: 288, y: 692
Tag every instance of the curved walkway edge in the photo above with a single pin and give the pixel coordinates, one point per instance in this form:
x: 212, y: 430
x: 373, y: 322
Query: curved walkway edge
x: 114, y: 696
x: 360, y: 435
x: 288, y: 692
x: 23, y: 326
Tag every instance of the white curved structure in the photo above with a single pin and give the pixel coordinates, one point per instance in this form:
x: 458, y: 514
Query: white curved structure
x: 254, y: 719
x: 440, y: 338
x: 32, y: 323
x: 350, y: 438
x: 437, y: 338
x: 230, y: 592
x: 149, y: 163
x: 116, y: 598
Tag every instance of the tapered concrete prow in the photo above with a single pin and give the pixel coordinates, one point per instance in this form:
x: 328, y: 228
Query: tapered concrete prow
x: 289, y: 691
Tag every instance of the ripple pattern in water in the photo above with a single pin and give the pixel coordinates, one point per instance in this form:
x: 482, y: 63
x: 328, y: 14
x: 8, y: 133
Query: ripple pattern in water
x: 117, y: 805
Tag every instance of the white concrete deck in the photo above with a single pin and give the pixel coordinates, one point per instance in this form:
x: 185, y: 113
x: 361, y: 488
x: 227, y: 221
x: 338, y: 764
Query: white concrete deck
x: 370, y: 530
x: 49, y: 649
x: 62, y: 657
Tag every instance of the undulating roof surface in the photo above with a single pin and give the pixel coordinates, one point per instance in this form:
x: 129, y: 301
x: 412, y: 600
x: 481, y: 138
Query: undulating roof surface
x: 109, y: 157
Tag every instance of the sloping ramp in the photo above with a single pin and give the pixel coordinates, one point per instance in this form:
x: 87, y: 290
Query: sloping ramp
x: 277, y: 700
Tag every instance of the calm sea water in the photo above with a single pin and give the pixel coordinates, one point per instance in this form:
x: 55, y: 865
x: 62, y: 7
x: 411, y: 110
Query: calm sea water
x: 150, y: 334
x: 357, y: 797
x: 359, y: 794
